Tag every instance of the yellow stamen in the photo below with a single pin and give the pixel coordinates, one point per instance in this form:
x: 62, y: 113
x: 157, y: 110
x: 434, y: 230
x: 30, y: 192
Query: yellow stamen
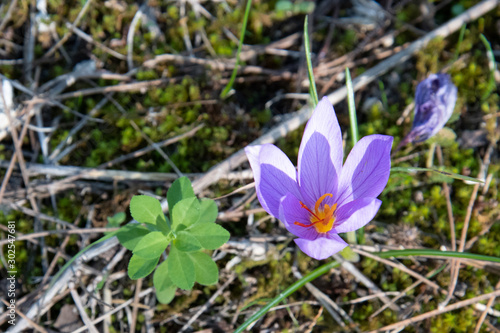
x: 320, y: 200
x: 321, y: 219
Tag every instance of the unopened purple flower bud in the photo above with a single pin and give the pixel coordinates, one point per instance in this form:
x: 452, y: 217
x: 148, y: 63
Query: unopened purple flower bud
x: 434, y: 103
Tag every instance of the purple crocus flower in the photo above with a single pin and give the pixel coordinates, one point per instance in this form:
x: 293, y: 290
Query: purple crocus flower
x: 323, y: 198
x: 435, y: 100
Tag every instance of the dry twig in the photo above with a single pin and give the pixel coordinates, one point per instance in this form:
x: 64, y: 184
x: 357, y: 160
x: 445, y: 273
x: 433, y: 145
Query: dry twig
x: 208, y: 303
x: 366, y: 282
x: 436, y: 312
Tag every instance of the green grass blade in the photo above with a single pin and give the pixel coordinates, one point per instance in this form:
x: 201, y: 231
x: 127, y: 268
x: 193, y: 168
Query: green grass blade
x: 352, y: 107
x: 100, y: 240
x: 493, y: 67
x: 441, y: 172
x: 439, y: 270
x: 459, y: 43
x: 240, y: 45
x: 435, y: 253
x: 312, y: 82
x: 290, y: 290
x: 351, y: 235
x: 383, y: 95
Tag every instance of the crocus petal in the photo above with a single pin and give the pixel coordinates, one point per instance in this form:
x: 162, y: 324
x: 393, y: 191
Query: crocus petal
x: 321, y: 247
x: 356, y: 214
x: 438, y: 91
x: 366, y: 170
x: 323, y: 121
x: 435, y: 100
x: 274, y: 174
x: 291, y: 212
x: 317, y: 175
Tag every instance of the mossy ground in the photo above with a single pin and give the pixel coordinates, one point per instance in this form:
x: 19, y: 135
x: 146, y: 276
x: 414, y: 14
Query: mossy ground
x: 168, y: 110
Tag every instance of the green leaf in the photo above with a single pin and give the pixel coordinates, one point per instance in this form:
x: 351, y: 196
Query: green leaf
x: 186, y: 212
x: 146, y: 209
x: 283, y: 5
x: 161, y: 279
x: 181, y: 269
x: 152, y: 245
x: 208, y: 211
x: 152, y: 227
x: 102, y: 282
x: 442, y: 172
x: 306, y: 7
x: 186, y: 242
x: 180, y: 189
x: 206, y: 271
x: 348, y: 254
x: 163, y: 224
x: 139, y: 267
x: 166, y: 296
x: 165, y: 288
x: 115, y: 220
x: 210, y: 235
x: 130, y: 234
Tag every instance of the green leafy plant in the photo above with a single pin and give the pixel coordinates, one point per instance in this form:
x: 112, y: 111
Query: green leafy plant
x: 116, y: 220
x: 190, y: 230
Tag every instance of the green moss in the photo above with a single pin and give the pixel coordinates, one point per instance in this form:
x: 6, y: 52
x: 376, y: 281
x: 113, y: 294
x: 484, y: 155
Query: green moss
x: 488, y: 244
x: 457, y: 321
x: 145, y: 75
x: 429, y: 61
x: 408, y: 13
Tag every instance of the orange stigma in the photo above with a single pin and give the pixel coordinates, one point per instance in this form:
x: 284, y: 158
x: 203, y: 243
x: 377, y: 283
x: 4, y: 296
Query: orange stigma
x: 321, y: 219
